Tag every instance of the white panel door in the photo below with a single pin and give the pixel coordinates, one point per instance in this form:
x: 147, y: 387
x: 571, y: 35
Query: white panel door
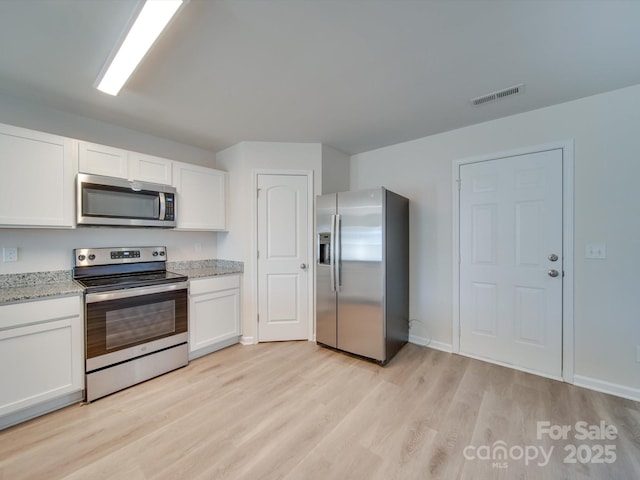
x: 283, y: 263
x: 510, y: 249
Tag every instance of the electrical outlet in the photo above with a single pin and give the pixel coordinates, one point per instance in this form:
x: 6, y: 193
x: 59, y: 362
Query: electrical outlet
x: 595, y: 250
x: 197, y: 247
x: 10, y: 254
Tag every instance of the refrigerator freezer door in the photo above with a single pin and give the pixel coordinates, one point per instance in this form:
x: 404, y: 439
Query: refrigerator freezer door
x: 361, y: 274
x: 325, y: 298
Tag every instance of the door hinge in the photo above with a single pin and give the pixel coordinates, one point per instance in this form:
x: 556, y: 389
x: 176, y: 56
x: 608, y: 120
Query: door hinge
x: 459, y: 182
x: 258, y: 192
x: 258, y: 318
x: 258, y: 256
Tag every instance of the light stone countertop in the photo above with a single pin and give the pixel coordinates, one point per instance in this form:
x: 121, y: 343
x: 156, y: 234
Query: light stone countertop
x: 19, y: 287
x: 206, y: 268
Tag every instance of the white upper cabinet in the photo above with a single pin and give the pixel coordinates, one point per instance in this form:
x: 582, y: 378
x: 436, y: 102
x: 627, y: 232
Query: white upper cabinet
x: 202, y: 197
x: 147, y: 168
x: 37, y: 179
x: 114, y: 162
x: 102, y: 160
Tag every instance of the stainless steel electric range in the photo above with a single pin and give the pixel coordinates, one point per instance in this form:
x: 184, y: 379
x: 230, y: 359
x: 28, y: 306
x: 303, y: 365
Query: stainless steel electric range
x: 136, y: 324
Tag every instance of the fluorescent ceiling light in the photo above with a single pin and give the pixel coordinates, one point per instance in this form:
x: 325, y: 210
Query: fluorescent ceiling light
x: 152, y: 19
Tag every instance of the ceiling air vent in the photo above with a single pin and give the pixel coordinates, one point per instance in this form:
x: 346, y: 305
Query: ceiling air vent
x: 500, y: 94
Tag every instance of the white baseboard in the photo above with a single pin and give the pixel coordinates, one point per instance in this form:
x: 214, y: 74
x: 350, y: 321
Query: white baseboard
x: 424, y: 342
x: 40, y: 409
x: 607, y: 387
x: 247, y: 340
x: 213, y: 348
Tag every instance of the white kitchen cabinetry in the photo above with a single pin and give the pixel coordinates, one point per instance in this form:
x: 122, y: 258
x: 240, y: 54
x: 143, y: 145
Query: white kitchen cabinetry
x: 36, y: 179
x: 102, y: 160
x: 41, y: 355
x: 114, y: 162
x: 214, y: 314
x: 202, y: 197
x: 147, y: 168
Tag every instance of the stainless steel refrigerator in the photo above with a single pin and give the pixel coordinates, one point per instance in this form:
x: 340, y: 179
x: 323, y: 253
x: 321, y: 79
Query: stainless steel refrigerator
x: 362, y: 272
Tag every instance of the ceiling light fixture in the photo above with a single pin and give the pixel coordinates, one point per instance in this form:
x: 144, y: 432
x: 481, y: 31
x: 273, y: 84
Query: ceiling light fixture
x: 152, y: 19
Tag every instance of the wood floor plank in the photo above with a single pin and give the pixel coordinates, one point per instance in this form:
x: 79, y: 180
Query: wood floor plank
x: 293, y: 410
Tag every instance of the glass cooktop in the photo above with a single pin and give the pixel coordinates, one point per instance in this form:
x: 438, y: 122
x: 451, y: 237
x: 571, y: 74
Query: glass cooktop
x: 118, y: 282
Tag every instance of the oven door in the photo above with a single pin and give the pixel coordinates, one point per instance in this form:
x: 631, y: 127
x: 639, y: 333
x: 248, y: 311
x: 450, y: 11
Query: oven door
x: 128, y: 323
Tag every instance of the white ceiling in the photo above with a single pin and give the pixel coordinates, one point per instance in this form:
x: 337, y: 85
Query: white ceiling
x: 354, y: 74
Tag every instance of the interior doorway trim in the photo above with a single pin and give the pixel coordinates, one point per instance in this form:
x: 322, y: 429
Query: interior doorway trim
x: 567, y: 246
x: 254, y: 246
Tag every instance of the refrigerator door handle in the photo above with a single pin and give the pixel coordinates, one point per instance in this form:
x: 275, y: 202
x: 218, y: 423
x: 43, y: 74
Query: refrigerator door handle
x: 332, y: 254
x: 337, y: 257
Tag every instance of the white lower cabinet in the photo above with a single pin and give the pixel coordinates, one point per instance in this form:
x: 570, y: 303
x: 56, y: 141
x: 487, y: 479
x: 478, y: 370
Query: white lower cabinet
x: 41, y: 357
x: 214, y: 314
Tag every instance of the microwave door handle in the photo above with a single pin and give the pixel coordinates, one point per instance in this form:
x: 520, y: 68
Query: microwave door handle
x: 163, y: 206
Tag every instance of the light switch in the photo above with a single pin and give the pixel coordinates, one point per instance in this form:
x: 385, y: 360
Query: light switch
x: 10, y: 254
x: 595, y: 250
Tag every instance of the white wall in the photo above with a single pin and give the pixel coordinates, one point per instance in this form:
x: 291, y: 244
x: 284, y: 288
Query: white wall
x: 242, y: 161
x: 335, y: 170
x: 607, y: 210
x: 42, y: 249
x: 27, y: 114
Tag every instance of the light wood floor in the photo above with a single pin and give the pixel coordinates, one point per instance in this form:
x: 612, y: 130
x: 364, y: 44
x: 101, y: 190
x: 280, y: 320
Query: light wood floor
x: 297, y: 411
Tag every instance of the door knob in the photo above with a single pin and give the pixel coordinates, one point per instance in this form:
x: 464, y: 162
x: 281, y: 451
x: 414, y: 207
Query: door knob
x: 303, y: 266
x: 553, y: 257
x: 553, y: 273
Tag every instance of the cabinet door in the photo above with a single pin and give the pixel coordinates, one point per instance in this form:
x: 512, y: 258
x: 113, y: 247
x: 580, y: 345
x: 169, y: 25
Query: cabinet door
x: 37, y: 179
x: 214, y: 318
x: 102, y: 160
x: 43, y: 360
x: 147, y: 168
x: 201, y: 201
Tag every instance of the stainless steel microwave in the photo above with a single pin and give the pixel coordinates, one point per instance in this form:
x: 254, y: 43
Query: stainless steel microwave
x: 109, y: 201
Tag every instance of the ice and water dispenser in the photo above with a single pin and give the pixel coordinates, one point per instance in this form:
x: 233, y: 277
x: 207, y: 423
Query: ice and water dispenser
x: 324, y: 249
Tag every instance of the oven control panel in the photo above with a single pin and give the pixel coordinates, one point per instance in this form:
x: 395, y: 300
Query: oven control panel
x: 125, y: 254
x: 86, y: 257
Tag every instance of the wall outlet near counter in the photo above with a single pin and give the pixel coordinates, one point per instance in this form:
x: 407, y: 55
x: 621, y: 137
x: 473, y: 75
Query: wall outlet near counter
x: 595, y: 250
x: 10, y: 254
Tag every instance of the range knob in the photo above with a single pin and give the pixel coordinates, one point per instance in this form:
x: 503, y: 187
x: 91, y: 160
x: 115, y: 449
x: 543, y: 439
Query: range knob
x: 81, y: 257
x: 162, y: 254
x: 155, y: 254
x: 92, y: 257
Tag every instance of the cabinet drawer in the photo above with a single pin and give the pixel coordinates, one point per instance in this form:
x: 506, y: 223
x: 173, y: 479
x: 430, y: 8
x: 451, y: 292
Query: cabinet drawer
x: 213, y: 284
x: 18, y: 314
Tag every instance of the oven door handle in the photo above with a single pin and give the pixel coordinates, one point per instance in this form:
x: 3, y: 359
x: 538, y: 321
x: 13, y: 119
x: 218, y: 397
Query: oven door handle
x: 133, y: 292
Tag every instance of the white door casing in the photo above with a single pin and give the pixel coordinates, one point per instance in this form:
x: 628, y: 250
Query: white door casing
x: 284, y: 268
x: 507, y: 308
